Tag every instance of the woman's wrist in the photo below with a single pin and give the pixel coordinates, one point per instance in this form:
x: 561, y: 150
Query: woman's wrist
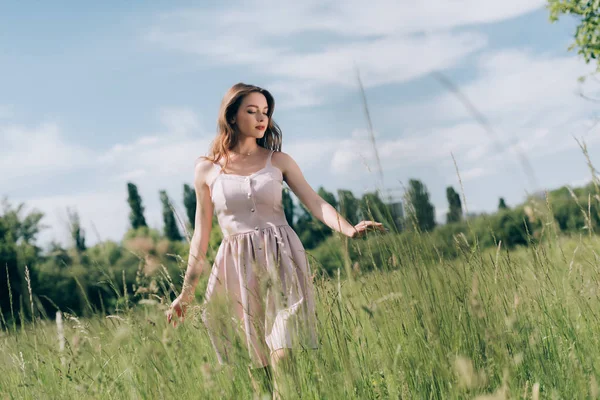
x: 188, y: 292
x: 190, y: 281
x: 349, y: 231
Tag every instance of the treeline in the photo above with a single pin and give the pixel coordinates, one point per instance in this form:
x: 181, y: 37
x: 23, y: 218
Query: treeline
x: 111, y: 276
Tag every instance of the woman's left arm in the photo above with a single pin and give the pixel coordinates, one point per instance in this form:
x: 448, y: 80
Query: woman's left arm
x: 318, y: 207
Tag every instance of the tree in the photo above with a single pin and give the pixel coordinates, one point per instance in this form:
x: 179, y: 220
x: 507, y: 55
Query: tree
x: 309, y: 232
x: 373, y: 208
x: 58, y: 254
x: 23, y: 230
x: 348, y: 206
x: 587, y: 33
x: 502, y: 204
x: 420, y: 209
x: 288, y: 206
x: 9, y: 270
x: 17, y: 249
x: 171, y: 231
x: 136, y: 215
x: 454, y: 206
x: 189, y: 201
x: 77, y: 232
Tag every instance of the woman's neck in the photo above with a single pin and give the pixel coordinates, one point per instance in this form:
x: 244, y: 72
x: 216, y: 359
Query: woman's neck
x: 247, y: 147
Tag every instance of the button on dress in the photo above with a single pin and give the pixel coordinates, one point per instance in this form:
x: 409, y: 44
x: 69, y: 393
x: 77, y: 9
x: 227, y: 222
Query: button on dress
x: 260, y: 295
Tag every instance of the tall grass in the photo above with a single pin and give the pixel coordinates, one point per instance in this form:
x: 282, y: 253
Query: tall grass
x: 506, y: 324
x: 489, y: 324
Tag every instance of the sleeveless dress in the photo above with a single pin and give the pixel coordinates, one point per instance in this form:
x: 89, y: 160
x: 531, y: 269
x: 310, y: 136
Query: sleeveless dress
x: 260, y: 295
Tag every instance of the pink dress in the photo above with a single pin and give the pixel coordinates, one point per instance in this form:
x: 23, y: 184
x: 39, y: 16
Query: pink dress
x: 261, y: 275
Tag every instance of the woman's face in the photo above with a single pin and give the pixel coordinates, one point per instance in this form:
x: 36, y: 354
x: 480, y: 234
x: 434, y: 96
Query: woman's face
x: 251, y: 118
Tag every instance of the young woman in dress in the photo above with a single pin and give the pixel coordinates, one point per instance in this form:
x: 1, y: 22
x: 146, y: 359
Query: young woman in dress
x: 261, y: 275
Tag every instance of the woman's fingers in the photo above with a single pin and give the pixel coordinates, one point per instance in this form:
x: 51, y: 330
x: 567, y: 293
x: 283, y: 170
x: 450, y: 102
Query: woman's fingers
x: 179, y: 313
x: 365, y: 226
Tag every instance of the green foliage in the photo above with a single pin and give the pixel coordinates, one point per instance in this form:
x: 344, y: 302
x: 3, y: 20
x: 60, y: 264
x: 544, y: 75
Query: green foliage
x: 22, y: 229
x: 288, y: 206
x: 348, y: 206
x: 142, y: 231
x: 170, y: 223
x: 373, y: 208
x: 77, y: 232
x: 309, y: 229
x: 577, y: 210
x: 486, y: 324
x: 587, y: 33
x: 18, y: 231
x: 9, y: 272
x: 502, y: 204
x: 420, y: 210
x: 189, y: 202
x: 136, y: 214
x: 216, y: 236
x: 444, y: 313
x: 454, y: 205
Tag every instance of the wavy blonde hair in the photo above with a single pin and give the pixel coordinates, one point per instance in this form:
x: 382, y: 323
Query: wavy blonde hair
x: 227, y: 137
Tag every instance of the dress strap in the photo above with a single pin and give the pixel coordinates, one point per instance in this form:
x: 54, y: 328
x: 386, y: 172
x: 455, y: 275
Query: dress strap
x: 218, y: 166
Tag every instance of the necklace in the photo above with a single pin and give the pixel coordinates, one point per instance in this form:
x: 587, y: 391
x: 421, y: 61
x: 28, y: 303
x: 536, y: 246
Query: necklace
x: 244, y: 154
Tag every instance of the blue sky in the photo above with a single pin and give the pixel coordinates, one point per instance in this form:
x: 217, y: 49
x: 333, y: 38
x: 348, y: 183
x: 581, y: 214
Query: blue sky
x: 95, y: 95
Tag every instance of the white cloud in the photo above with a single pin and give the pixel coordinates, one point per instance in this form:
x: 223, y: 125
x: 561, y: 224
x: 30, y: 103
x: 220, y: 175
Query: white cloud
x: 38, y: 151
x: 348, y: 18
x: 518, y: 84
x: 440, y: 215
x: 385, y: 60
x: 294, y: 94
x: 162, y: 158
x: 6, y: 111
x: 179, y: 121
x: 416, y: 148
x: 106, y: 211
x: 472, y: 173
x: 389, y: 41
x: 168, y: 154
x: 130, y: 175
x: 154, y: 162
x: 530, y: 101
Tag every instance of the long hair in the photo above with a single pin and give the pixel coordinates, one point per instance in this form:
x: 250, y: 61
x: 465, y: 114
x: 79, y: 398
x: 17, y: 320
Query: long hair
x: 227, y: 137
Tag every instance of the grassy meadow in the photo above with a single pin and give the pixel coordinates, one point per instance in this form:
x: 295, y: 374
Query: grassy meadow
x: 490, y: 324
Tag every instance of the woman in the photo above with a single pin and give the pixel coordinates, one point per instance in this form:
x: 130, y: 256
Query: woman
x: 260, y: 297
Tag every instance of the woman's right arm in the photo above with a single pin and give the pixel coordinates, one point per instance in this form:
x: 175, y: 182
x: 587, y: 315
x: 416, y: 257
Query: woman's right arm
x: 199, y: 244
x: 197, y: 262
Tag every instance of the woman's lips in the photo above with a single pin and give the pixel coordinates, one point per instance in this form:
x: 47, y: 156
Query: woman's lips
x: 261, y: 127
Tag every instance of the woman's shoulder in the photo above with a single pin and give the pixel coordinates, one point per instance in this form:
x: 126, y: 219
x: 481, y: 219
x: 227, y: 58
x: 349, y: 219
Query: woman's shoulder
x: 281, y: 156
x: 203, y: 162
x: 202, y: 166
x: 284, y: 161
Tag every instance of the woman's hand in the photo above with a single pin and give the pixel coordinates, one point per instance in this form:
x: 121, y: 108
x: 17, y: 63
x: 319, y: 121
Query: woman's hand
x: 360, y: 229
x: 179, y: 305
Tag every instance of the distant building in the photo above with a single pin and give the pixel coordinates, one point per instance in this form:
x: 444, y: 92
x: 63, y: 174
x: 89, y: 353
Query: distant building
x: 397, y: 212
